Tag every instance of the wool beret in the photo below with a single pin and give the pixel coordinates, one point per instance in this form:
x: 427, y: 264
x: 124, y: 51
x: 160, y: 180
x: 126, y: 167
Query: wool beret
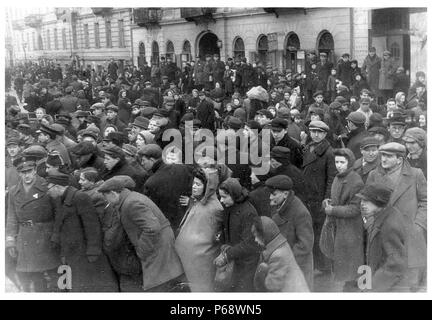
x: 335, y: 105
x: 279, y: 124
x: 415, y: 135
x: 356, y: 117
x: 114, y: 152
x: 130, y: 150
x: 377, y: 193
x: 24, y: 163
x: 83, y: 148
x: 117, y: 183
x: 235, y: 123
x: 36, y: 151
x: 319, y: 126
x: 369, y: 141
x: 151, y: 151
x: 393, y: 148
x: 59, y: 179
x: 279, y: 182
x: 266, y: 113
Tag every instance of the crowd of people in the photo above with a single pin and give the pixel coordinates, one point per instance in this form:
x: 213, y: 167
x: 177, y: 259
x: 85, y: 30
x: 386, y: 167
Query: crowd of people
x: 93, y: 183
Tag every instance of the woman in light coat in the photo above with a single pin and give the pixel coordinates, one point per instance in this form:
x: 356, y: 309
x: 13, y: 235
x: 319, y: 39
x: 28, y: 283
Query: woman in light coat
x: 345, y: 245
x: 196, y: 243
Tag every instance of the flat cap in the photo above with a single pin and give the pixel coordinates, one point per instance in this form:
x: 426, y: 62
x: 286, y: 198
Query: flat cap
x: 117, y: 183
x: 141, y: 122
x: 130, y: 150
x: 369, y: 141
x: 279, y: 152
x: 377, y: 193
x: 151, y: 151
x: 49, y: 130
x: 98, y: 105
x: 279, y: 124
x: 58, y: 128
x: 378, y: 130
x: 254, y: 125
x: 318, y: 126
x: 148, y: 112
x: 323, y: 54
x: 318, y: 93
x: 114, y: 152
x: 25, y: 129
x: 60, y: 179
x: 335, y: 105
x: 90, y: 133
x: 116, y: 137
x: 81, y: 113
x: 24, y: 163
x: 235, y: 123
x: 280, y: 182
x: 163, y: 113
x: 13, y: 141
x: 393, y: 148
x: 64, y: 115
x: 356, y: 117
x: 112, y: 107
x: 36, y: 151
x: 83, y: 148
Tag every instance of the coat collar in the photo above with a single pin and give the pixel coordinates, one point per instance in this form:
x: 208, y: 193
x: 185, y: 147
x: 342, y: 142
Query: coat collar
x: 273, y: 245
x: 286, y: 205
x: 123, y: 196
x: 69, y: 196
x: 319, y: 150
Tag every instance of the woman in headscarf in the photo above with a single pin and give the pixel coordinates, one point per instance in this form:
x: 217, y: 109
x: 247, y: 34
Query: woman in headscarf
x: 196, y: 243
x: 342, y: 235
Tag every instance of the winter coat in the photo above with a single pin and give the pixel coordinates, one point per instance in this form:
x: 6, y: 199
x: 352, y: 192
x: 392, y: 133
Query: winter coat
x: 160, y: 188
x: 364, y: 170
x: 348, y: 253
x: 344, y: 73
x: 55, y: 145
x: 278, y: 270
x: 205, y: 113
x: 151, y: 235
x: 319, y: 171
x: 69, y: 104
x: 409, y: 196
x: 371, y: 68
x: 78, y: 231
x: 355, y: 138
x: 296, y: 155
x: 32, y: 242
x: 259, y: 197
x: 388, y: 68
x: 196, y: 243
x: 420, y: 163
x: 386, y: 252
x: 323, y: 72
x: 295, y: 224
x: 199, y: 73
x: 125, y: 110
x: 122, y: 168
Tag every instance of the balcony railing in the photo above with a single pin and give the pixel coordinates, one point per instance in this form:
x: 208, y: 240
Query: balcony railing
x: 192, y: 14
x: 147, y: 17
x: 33, y: 21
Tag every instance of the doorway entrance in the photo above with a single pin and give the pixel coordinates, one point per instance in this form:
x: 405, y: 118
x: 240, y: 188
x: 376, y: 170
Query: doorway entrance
x: 326, y: 44
x: 207, y: 44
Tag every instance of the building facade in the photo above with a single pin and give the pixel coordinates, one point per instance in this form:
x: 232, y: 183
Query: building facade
x: 280, y: 37
x: 85, y: 35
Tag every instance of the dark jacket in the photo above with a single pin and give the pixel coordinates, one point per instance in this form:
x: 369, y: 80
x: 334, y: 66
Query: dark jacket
x: 78, y: 231
x: 364, y: 171
x: 295, y: 223
x: 355, y: 138
x: 420, y: 163
x: 344, y: 73
x: 205, y: 113
x: 33, y: 243
x: 387, y: 251
x: 237, y: 233
x: 296, y: 155
x: 124, y: 169
x: 160, y: 188
x: 69, y: 104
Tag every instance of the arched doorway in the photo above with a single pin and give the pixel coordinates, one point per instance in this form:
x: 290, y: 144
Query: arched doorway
x: 239, y: 48
x: 326, y: 44
x: 141, y: 54
x: 155, y: 53
x: 292, y: 45
x: 208, y: 44
x: 186, y: 52
x: 262, y: 49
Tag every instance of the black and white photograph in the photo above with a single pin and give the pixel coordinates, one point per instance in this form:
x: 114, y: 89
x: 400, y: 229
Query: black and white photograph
x: 215, y: 150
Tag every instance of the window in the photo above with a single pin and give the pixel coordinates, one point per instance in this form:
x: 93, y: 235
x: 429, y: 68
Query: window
x: 86, y: 37
x: 55, y: 39
x: 170, y: 50
x: 262, y: 49
x: 74, y: 36
x: 108, y: 34
x: 34, y: 41
x: 40, y: 42
x: 155, y: 53
x: 239, y: 48
x: 141, y: 55
x: 121, y: 34
x: 97, y: 35
x: 187, y: 52
x: 64, y: 39
x: 48, y: 40
x: 395, y: 50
